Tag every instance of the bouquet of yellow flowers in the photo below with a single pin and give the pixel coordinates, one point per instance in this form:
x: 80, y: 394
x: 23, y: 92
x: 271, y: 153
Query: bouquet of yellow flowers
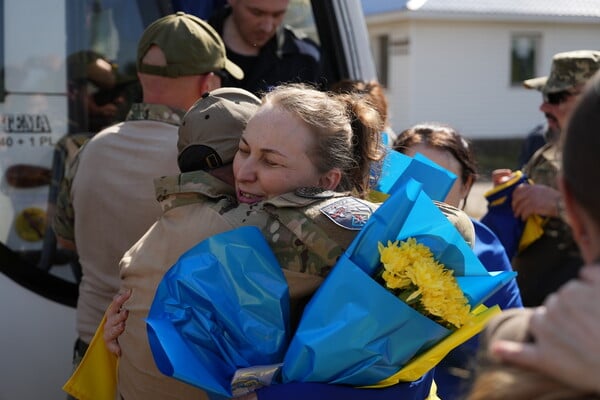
x: 411, y: 272
x: 388, y: 316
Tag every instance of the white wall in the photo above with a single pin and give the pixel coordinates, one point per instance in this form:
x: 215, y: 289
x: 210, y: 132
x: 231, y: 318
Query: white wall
x: 399, y: 79
x: 458, y: 72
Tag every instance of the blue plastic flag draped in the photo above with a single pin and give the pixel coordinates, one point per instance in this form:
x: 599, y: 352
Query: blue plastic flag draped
x: 224, y: 305
x: 354, y: 331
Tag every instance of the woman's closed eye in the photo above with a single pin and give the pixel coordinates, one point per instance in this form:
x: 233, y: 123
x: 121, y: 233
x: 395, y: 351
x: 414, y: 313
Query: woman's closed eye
x: 271, y: 162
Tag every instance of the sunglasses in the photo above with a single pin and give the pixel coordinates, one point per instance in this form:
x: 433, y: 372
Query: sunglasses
x: 558, y: 97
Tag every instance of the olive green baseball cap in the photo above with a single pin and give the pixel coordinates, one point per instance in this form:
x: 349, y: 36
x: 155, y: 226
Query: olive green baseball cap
x: 190, y: 45
x: 568, y: 70
x: 210, y: 132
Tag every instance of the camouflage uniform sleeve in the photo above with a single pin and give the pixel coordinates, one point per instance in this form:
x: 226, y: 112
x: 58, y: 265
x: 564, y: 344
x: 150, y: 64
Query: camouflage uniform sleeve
x: 301, y: 237
x: 63, y: 221
x: 544, y: 165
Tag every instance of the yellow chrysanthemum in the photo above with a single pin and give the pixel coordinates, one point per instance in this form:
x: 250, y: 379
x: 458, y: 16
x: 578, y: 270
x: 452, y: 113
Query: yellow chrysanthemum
x: 411, y: 269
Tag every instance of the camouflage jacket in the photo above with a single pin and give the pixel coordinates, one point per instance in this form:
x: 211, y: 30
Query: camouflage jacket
x: 544, y: 165
x: 307, y: 232
x: 71, y: 146
x: 543, y: 169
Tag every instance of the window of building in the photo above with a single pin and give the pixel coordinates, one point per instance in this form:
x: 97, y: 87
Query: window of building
x: 523, y: 57
x: 382, y: 58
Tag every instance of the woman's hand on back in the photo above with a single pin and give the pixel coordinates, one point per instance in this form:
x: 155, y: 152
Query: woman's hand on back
x: 116, y: 316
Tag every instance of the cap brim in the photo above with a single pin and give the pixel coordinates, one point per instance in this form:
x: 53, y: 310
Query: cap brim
x: 234, y: 70
x: 535, y: 83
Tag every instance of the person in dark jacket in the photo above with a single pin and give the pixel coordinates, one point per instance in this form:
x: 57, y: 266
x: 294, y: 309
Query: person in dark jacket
x: 269, y: 52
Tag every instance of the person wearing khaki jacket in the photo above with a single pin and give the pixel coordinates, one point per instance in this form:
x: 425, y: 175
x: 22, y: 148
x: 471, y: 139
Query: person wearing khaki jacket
x: 192, y: 205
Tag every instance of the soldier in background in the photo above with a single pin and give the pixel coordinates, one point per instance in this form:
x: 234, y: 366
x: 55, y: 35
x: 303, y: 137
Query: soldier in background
x: 552, y: 351
x: 554, y: 258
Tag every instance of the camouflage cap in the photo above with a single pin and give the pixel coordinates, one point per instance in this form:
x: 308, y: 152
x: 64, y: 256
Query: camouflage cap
x: 190, y: 45
x: 210, y: 132
x: 568, y: 70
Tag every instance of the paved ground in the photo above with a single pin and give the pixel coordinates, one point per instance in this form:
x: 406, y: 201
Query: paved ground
x: 476, y: 203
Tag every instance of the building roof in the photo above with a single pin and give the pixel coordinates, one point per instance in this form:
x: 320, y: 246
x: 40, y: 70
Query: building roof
x: 580, y: 9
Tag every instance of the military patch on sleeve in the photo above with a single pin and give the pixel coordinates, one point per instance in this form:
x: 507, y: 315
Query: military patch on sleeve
x: 348, y: 212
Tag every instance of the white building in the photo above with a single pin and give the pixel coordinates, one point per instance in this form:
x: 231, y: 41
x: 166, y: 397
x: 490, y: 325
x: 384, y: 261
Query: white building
x: 462, y: 61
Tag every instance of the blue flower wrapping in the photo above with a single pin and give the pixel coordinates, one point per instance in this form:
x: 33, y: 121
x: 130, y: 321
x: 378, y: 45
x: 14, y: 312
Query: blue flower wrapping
x: 224, y: 305
x: 354, y: 331
x: 397, y: 168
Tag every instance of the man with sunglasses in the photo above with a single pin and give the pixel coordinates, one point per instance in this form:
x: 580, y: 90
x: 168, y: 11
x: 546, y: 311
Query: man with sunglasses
x: 554, y: 258
x: 560, y: 90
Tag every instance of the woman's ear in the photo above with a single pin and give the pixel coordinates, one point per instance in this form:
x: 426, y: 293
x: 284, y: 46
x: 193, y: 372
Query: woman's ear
x: 331, y: 179
x: 469, y: 184
x: 466, y: 189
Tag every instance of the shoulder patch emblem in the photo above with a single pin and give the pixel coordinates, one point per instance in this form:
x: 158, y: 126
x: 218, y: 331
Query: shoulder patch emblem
x: 348, y: 212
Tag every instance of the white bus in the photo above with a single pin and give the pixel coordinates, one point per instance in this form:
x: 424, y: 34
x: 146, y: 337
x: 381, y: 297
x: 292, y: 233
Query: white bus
x: 45, y: 95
